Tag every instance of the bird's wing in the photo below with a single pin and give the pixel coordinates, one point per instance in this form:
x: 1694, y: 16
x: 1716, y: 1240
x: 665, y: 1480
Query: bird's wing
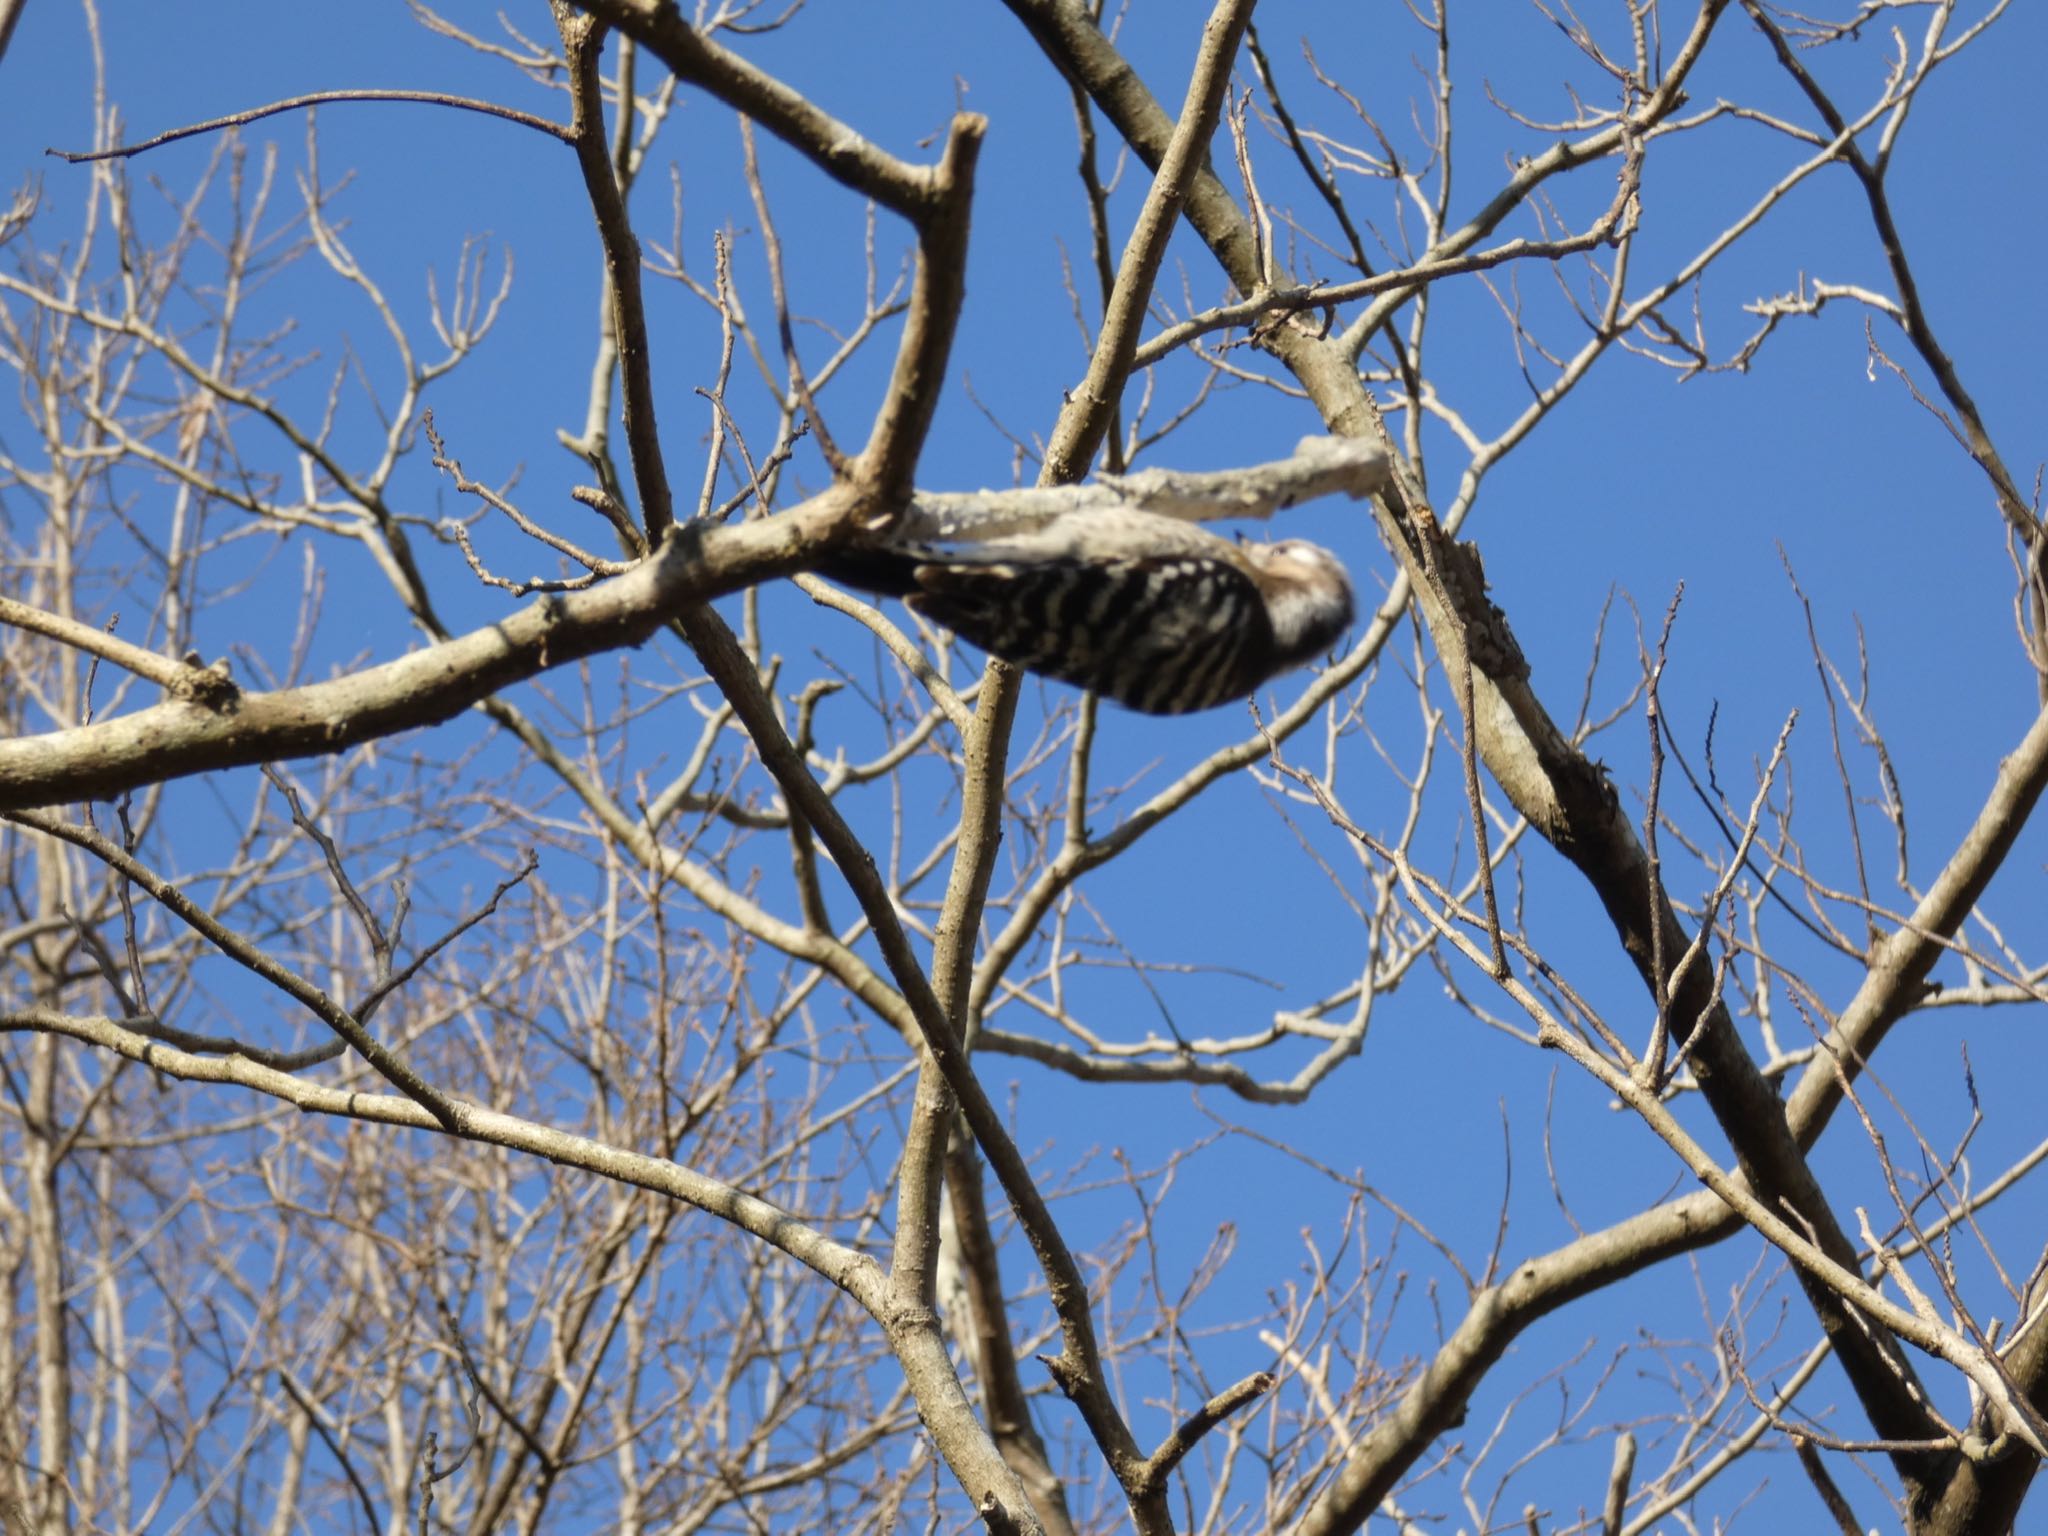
x: 888, y: 566
x: 1160, y: 633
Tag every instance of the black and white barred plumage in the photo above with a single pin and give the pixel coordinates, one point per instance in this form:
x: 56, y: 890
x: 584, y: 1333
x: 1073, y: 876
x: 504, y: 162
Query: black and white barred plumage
x: 1148, y: 610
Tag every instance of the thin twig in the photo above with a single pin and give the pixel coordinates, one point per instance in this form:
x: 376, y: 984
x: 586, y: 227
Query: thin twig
x: 318, y: 99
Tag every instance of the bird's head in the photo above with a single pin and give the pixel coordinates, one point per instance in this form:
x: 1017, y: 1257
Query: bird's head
x: 1308, y: 596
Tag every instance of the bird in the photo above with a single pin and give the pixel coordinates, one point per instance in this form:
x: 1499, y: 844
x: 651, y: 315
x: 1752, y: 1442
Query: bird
x: 1154, y: 612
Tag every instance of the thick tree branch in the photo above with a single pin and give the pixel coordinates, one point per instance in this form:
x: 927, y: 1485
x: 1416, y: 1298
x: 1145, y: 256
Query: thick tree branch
x: 886, y: 474
x: 661, y: 27
x: 174, y: 739
x: 1549, y: 780
x: 1539, y: 1286
x: 1899, y: 964
x: 1078, y: 1368
x: 1075, y: 438
x: 1092, y: 405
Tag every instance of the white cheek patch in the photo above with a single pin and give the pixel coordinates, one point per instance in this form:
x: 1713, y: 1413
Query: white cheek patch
x: 1296, y: 613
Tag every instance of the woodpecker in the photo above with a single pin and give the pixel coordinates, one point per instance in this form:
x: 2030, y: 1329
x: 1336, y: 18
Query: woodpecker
x: 1151, y: 611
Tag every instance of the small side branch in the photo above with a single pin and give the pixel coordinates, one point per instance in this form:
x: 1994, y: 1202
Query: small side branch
x: 1158, y: 1467
x: 938, y: 291
x: 209, y: 686
x: 1617, y: 1484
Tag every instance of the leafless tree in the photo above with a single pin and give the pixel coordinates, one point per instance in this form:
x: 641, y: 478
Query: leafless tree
x: 487, y: 1050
